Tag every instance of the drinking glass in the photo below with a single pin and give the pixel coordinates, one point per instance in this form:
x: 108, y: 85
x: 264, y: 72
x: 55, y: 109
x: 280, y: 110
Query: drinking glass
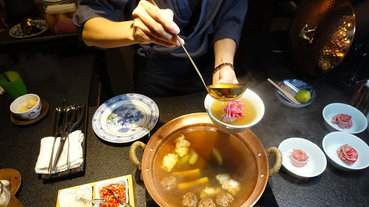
x: 13, y: 84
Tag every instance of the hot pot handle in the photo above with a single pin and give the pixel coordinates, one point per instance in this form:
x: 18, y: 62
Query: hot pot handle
x: 278, y: 160
x: 132, y: 153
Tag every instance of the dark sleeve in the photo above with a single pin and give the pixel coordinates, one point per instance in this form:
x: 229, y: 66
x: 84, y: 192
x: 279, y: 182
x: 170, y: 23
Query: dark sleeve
x: 229, y: 21
x: 88, y: 9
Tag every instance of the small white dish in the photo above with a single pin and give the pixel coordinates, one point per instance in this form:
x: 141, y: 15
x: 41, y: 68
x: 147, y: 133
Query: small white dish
x: 332, y: 141
x: 317, y: 160
x: 359, y: 121
x: 254, y: 99
x: 125, y: 118
x: 76, y: 197
x: 101, y: 184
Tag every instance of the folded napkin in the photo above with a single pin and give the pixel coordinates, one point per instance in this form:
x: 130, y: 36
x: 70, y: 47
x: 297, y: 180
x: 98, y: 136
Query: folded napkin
x: 75, y: 153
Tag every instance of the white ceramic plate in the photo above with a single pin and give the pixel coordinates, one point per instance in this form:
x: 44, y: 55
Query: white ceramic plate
x: 317, y: 160
x: 334, y: 140
x: 293, y: 86
x: 101, y: 184
x: 16, y: 31
x: 72, y: 197
x: 125, y: 118
x: 359, y: 121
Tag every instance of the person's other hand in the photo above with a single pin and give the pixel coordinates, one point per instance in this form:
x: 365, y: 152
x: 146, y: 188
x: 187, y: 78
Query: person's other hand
x: 154, y: 25
x: 225, y: 75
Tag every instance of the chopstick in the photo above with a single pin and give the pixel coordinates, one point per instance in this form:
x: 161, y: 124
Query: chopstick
x: 288, y: 95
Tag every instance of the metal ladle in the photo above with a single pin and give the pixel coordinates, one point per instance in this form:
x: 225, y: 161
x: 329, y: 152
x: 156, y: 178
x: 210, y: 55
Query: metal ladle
x: 219, y: 91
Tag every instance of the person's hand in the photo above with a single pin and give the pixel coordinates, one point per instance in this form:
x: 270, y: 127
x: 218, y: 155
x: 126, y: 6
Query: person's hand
x: 225, y: 75
x: 154, y: 25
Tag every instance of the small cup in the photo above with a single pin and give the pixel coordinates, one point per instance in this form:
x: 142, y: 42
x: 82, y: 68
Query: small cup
x: 13, y: 84
x: 26, y: 107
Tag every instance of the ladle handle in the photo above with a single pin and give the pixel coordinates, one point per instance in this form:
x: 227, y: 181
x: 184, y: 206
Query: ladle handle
x: 132, y: 152
x: 193, y: 63
x: 278, y: 160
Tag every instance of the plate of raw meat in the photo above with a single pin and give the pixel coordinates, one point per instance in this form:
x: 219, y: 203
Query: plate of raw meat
x: 302, y: 158
x: 346, y: 151
x: 345, y: 118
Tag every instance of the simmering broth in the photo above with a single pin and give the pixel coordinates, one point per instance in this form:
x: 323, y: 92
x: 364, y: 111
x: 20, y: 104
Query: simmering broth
x: 237, y: 162
x: 217, y: 109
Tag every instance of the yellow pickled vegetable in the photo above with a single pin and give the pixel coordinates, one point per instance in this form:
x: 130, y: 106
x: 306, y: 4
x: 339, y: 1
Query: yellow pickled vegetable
x: 193, y: 183
x: 218, y: 156
x: 188, y: 174
x: 193, y: 157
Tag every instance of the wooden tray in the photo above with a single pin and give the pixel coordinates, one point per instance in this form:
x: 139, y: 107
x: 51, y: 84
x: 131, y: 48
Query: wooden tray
x: 131, y: 196
x: 14, y: 177
x: 76, y: 172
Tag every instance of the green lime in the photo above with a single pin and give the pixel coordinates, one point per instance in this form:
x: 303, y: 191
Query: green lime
x: 303, y: 96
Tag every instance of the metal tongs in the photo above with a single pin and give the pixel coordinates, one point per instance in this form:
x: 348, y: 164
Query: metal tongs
x: 70, y: 122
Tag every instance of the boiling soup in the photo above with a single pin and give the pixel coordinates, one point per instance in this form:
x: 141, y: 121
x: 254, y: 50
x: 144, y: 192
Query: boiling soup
x: 204, y: 165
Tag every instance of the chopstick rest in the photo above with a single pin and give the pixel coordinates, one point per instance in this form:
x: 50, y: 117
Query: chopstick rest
x: 75, y: 153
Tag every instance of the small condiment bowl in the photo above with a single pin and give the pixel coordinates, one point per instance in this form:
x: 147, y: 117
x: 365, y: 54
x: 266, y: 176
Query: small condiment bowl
x: 26, y: 107
x: 332, y: 141
x: 248, y: 94
x: 359, y: 121
x: 104, y: 183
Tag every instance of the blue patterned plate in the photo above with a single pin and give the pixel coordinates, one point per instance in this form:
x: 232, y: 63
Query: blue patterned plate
x: 293, y: 86
x: 125, y: 118
x: 16, y: 31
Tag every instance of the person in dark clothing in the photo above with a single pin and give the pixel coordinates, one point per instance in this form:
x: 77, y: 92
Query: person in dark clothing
x: 210, y: 29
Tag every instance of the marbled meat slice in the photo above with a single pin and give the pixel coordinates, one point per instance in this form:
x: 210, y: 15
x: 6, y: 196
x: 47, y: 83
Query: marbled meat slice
x: 344, y: 121
x: 299, y: 158
x: 233, y: 110
x: 347, y: 154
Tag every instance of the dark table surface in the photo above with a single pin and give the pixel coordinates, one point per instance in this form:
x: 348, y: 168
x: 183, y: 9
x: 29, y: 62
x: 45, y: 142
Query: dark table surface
x: 58, y: 78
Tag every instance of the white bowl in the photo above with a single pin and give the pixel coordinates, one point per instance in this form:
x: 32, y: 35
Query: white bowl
x: 317, y: 160
x: 359, y: 121
x: 25, y: 108
x: 248, y: 94
x: 334, y: 140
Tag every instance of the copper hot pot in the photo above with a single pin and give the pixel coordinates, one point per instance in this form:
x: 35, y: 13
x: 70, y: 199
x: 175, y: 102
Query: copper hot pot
x: 251, y: 165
